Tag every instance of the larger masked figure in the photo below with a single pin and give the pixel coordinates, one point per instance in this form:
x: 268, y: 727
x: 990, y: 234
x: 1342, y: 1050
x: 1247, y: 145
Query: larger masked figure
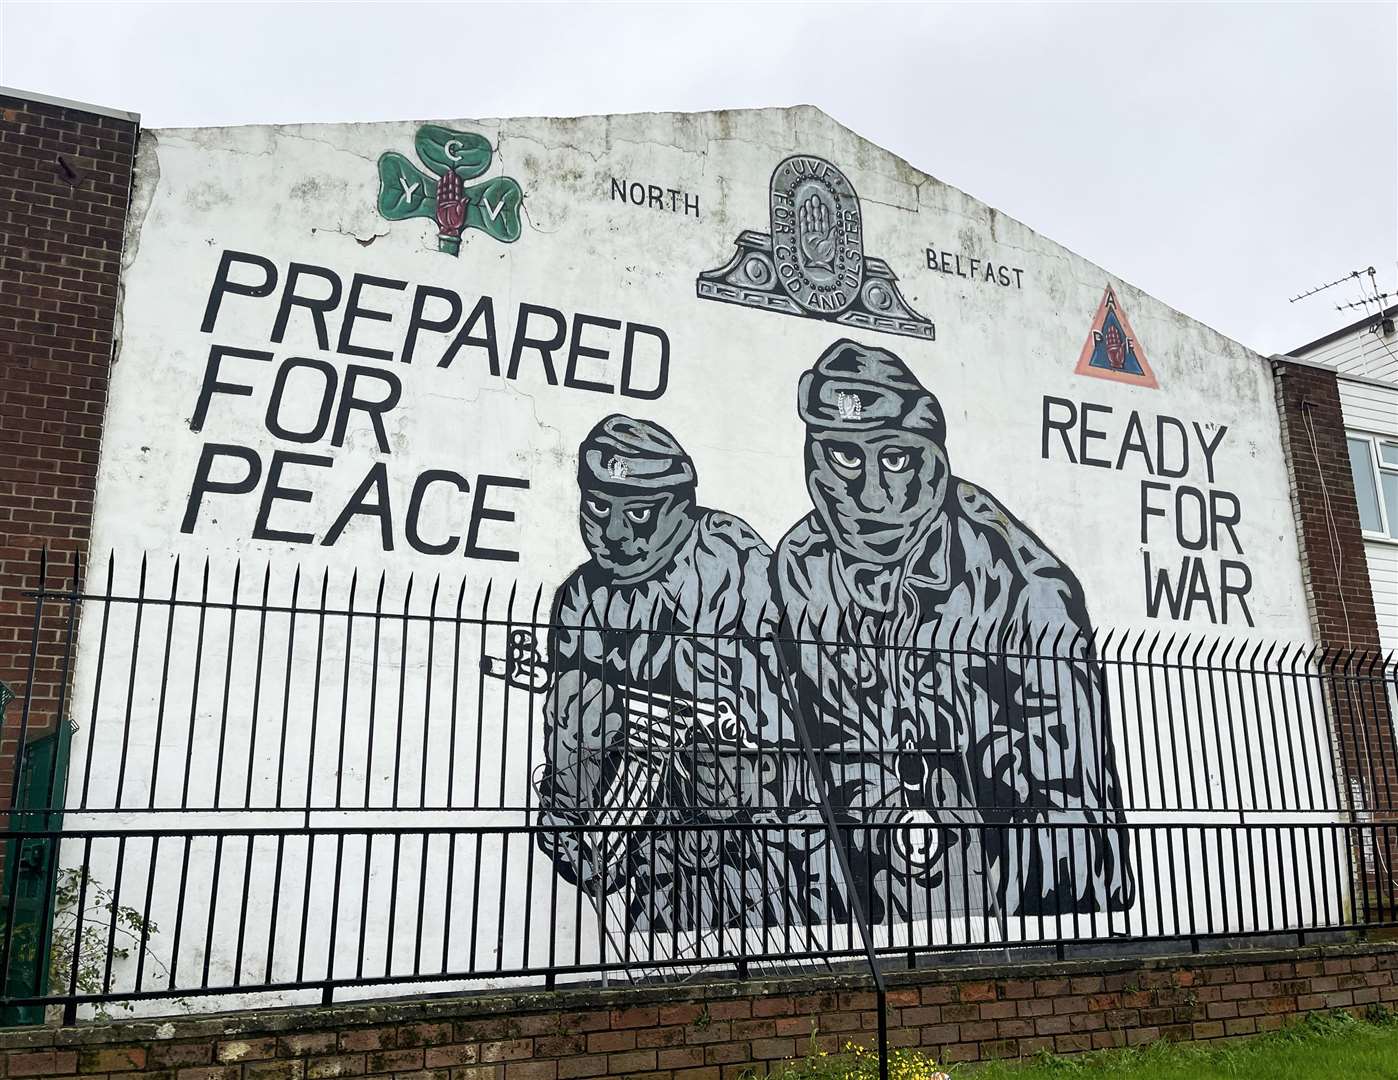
x: 955, y: 696
x: 662, y: 708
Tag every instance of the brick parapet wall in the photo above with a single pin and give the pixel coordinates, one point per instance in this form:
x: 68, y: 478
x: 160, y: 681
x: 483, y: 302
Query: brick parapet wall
x: 721, y: 1030
x: 65, y: 182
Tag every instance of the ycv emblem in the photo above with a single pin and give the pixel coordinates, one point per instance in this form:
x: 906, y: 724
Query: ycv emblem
x: 405, y: 191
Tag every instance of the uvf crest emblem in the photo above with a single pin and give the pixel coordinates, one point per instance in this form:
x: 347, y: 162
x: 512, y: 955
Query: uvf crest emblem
x: 812, y: 263
x: 817, y: 238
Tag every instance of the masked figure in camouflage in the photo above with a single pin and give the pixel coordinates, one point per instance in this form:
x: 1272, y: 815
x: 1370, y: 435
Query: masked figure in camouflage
x: 662, y: 706
x: 905, y: 572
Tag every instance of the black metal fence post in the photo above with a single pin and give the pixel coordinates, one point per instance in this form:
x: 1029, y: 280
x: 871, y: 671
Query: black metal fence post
x: 832, y: 826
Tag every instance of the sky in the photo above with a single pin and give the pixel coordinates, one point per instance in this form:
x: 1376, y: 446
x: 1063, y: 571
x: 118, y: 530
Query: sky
x: 1223, y: 157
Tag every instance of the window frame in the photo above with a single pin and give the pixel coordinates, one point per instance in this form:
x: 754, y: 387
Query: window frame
x: 1388, y: 516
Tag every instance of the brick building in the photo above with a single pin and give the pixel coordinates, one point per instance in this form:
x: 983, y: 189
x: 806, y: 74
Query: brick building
x: 65, y: 184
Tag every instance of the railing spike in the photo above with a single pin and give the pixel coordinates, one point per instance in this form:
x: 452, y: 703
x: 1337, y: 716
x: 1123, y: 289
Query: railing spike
x: 461, y: 594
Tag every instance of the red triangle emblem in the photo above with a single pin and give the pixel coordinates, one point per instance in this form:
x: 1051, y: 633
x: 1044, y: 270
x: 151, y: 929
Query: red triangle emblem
x: 1112, y: 350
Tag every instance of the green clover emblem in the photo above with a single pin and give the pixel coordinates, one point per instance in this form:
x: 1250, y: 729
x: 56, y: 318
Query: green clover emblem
x: 453, y: 157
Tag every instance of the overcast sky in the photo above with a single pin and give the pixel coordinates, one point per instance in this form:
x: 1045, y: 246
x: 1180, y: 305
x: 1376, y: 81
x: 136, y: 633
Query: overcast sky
x: 1222, y: 157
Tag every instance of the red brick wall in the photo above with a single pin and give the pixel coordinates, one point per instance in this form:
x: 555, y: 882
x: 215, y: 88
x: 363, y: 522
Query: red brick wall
x: 1336, y: 575
x: 1327, y: 513
x: 723, y: 1030
x: 60, y: 257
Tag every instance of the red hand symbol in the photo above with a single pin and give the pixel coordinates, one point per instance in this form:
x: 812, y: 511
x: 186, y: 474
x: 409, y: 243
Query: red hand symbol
x: 451, y: 206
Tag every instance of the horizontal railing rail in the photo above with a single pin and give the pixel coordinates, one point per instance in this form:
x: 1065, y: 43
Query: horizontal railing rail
x: 264, y: 911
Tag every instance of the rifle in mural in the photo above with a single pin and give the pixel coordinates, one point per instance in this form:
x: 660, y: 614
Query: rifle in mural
x: 670, y: 743
x: 442, y: 194
x: 665, y: 738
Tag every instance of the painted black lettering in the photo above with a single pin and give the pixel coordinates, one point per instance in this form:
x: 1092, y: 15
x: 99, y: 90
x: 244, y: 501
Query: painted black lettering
x: 1087, y: 434
x: 222, y: 285
x: 1134, y: 443
x: 354, y: 311
x: 1191, y: 518
x: 204, y: 482
x: 1226, y: 587
x: 481, y: 512
x: 1062, y: 426
x: 410, y: 525
x: 1199, y: 589
x: 373, y: 407
x: 1148, y: 511
x: 483, y: 312
x: 1225, y: 511
x: 275, y: 490
x: 628, y: 359
x: 577, y: 350
x: 375, y: 483
x: 1158, y: 587
x: 330, y: 381
x: 1162, y: 458
x: 545, y: 346
x: 317, y: 306
x: 419, y: 321
x: 213, y: 385
x: 1209, y: 446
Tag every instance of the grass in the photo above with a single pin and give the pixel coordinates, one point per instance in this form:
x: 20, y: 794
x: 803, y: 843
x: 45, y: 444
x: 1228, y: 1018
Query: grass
x: 1323, y: 1047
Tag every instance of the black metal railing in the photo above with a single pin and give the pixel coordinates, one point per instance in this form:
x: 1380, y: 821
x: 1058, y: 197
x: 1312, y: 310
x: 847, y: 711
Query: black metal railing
x: 292, y: 787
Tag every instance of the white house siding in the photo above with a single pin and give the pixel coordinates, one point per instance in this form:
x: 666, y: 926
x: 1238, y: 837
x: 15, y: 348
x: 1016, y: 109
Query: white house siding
x: 1373, y: 408
x: 1362, y: 352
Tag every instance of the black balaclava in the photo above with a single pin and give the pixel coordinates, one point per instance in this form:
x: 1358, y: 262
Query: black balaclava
x: 638, y: 491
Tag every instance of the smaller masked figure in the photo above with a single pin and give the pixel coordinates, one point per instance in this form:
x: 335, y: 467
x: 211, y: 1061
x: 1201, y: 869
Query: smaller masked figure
x: 662, y: 710
x: 943, y: 665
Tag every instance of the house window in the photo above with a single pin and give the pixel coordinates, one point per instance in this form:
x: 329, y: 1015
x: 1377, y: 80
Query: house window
x: 1374, y: 462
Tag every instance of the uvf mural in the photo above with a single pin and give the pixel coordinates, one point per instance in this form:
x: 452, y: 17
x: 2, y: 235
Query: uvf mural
x: 866, y: 596
x: 898, y: 557
x: 798, y: 553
